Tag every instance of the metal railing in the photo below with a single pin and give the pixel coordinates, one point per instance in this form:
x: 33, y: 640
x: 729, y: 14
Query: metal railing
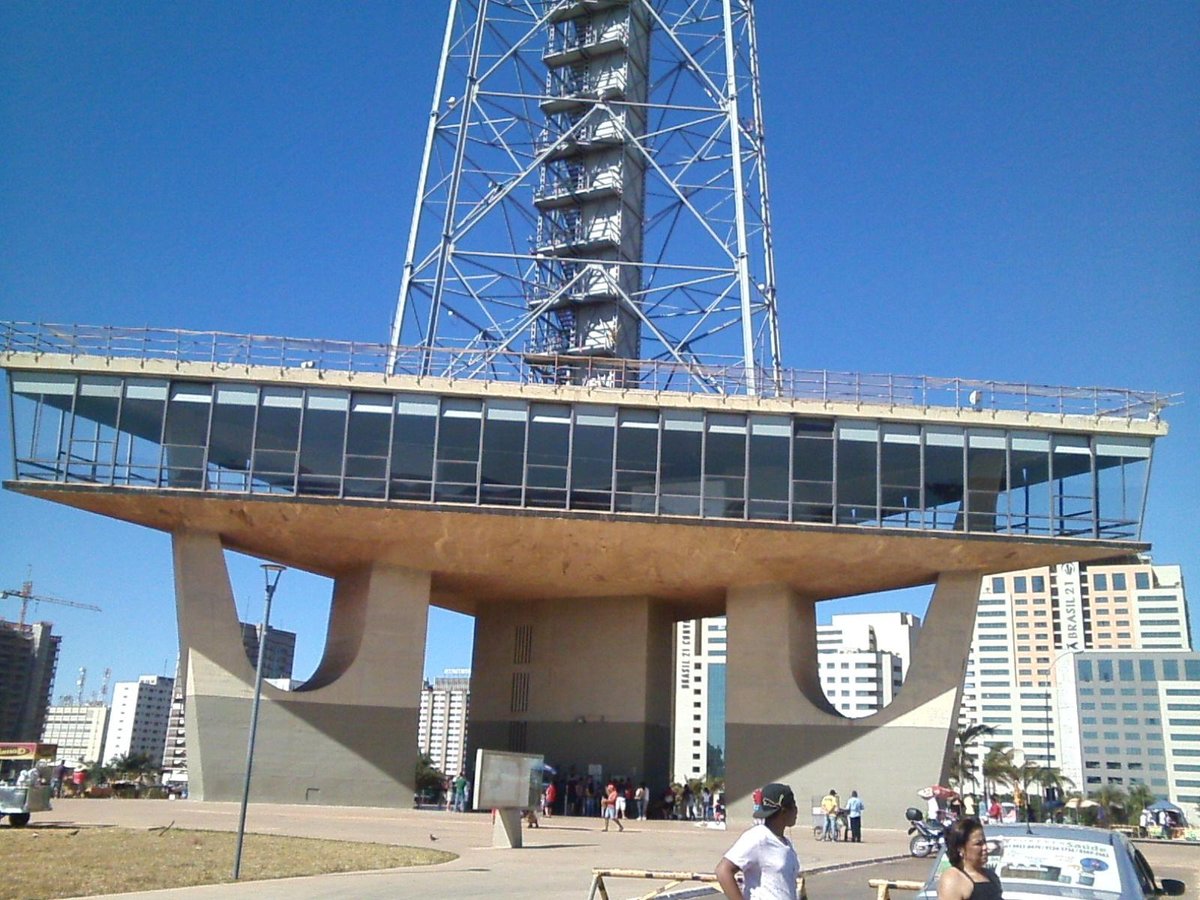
x: 481, y: 363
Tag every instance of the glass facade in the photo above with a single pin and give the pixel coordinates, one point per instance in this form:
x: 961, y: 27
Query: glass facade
x: 248, y: 438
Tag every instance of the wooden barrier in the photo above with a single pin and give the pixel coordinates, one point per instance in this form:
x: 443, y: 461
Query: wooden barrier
x: 673, y: 879
x: 884, y: 887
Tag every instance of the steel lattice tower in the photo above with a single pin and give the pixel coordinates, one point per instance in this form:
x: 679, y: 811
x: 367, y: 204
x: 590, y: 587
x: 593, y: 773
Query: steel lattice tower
x: 593, y: 188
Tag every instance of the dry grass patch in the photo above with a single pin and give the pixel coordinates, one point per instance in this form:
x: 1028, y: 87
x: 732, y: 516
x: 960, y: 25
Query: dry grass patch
x: 55, y: 861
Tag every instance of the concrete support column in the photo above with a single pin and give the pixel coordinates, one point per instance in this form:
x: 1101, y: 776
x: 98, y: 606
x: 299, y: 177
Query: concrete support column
x: 780, y: 727
x: 585, y: 682
x: 346, y: 737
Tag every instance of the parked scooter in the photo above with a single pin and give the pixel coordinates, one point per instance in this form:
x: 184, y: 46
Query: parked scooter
x: 928, y: 837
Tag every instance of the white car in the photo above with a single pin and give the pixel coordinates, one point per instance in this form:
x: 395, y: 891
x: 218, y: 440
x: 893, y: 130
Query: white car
x: 1039, y: 861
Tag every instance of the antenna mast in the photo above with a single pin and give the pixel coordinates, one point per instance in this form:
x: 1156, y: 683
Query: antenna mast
x: 593, y: 190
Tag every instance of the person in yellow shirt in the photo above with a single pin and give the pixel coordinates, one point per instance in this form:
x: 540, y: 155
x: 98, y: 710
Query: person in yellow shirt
x: 830, y: 805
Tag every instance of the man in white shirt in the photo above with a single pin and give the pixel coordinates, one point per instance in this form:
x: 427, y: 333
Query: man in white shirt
x: 766, y: 859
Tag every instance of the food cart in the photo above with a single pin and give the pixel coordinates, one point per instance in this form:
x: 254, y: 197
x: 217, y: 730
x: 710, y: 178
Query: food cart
x: 23, y: 790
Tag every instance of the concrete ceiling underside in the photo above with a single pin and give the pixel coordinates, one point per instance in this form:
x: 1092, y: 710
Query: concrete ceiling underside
x: 479, y: 555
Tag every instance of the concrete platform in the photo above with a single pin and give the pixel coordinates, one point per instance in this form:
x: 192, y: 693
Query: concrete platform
x: 556, y: 861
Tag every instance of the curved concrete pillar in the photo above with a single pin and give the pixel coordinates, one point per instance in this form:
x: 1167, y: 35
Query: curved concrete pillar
x: 349, y: 736
x: 583, y: 682
x: 780, y: 727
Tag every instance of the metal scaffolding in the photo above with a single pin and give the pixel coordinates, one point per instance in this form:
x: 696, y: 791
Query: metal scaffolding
x: 593, y: 187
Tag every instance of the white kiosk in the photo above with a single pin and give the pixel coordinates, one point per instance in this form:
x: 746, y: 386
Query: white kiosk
x: 508, y: 784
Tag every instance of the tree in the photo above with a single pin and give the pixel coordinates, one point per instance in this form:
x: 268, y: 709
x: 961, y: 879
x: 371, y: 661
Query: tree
x: 1139, y: 797
x: 1052, y: 777
x: 962, y: 766
x: 429, y: 779
x: 1112, y: 800
x: 999, y: 769
x: 132, y: 766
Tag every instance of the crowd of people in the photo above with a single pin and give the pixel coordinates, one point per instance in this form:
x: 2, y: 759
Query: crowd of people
x: 612, y: 800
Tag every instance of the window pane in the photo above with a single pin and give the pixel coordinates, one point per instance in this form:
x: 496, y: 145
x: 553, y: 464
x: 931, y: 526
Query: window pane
x: 412, y: 447
x: 277, y: 440
x: 367, y: 439
x: 900, y: 468
x: 682, y: 442
x: 186, y: 432
x: 549, y: 447
x: 459, y: 430
x: 232, y: 437
x: 142, y: 411
x: 725, y: 466
x: 637, y: 460
x: 770, y: 453
x: 857, y: 457
x: 323, y: 436
x: 41, y: 422
x: 94, y: 429
x: 503, y: 452
x: 987, y: 481
x: 1072, y: 486
x: 1029, y: 494
x: 1122, y: 465
x: 592, y: 457
x: 812, y: 470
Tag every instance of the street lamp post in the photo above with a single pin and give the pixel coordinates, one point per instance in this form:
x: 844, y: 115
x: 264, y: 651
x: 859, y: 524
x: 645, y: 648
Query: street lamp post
x: 271, y: 573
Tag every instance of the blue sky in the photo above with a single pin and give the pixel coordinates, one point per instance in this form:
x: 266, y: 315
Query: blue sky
x: 1007, y: 191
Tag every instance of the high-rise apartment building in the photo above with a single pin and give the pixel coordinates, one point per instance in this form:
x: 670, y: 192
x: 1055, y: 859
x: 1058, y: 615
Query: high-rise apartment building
x: 138, y: 724
x: 28, y: 660
x: 1027, y: 619
x: 442, y: 726
x: 79, y: 731
x: 278, y: 657
x: 278, y: 654
x: 862, y: 658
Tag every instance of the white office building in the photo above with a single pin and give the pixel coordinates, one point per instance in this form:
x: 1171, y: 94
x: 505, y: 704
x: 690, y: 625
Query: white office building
x: 79, y: 732
x: 1131, y: 717
x: 138, y: 724
x: 442, y: 725
x: 698, y: 735
x: 862, y: 657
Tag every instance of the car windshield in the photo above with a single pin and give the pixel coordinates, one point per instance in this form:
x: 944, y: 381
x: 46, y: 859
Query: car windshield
x: 1032, y: 864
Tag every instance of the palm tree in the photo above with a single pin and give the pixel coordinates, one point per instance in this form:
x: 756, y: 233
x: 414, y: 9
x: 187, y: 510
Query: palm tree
x: 1053, y: 777
x: 132, y: 766
x: 1112, y: 800
x: 962, y: 766
x: 999, y: 769
x: 1140, y: 796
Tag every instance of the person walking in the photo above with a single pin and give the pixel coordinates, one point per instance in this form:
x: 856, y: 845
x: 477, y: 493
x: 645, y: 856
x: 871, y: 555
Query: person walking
x: 639, y: 797
x: 460, y: 792
x: 855, y: 807
x: 609, y: 807
x: 968, y: 877
x: 829, y: 805
x: 765, y: 857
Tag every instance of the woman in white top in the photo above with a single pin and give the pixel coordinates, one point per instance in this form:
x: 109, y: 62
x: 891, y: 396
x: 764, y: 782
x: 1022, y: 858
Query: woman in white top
x: 766, y: 859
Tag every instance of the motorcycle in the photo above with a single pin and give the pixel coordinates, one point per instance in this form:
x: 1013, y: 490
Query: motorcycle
x: 928, y: 837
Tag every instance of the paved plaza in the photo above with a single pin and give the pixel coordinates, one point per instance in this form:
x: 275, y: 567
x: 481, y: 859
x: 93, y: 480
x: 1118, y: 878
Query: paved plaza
x: 556, y: 861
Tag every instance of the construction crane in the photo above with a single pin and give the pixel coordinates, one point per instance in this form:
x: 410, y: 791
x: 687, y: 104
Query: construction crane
x: 27, y: 596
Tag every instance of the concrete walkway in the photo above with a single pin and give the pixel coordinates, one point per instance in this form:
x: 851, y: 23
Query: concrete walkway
x: 556, y: 861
